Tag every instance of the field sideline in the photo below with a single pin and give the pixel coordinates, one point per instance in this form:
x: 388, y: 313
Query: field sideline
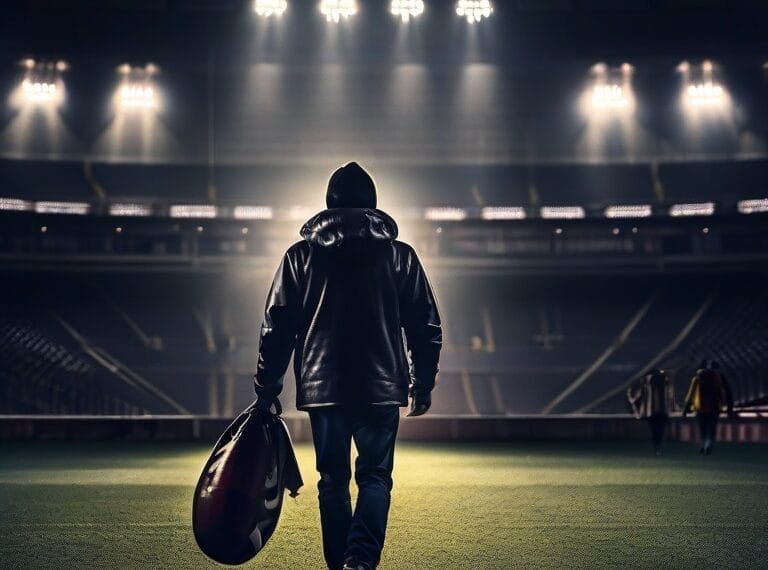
x: 127, y: 505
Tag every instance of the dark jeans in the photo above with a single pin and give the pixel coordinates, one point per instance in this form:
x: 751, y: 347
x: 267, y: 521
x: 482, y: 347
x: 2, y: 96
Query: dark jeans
x: 658, y: 424
x: 708, y: 428
x: 359, y: 535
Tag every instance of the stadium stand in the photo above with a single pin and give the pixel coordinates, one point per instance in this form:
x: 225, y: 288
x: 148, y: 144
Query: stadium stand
x: 43, y: 180
x: 195, y: 337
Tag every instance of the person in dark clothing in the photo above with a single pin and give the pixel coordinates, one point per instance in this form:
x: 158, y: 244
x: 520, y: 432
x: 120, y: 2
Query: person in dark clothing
x: 342, y: 300
x: 706, y: 396
x: 714, y: 365
x: 653, y: 400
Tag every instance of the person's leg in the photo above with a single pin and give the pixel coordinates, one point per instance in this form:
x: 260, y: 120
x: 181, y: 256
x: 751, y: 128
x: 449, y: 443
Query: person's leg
x: 374, y: 431
x: 657, y: 422
x: 712, y: 431
x: 703, y: 430
x: 652, y: 427
x: 332, y: 437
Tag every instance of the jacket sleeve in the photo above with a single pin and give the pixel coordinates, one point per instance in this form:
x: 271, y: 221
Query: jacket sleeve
x: 633, y: 396
x: 420, y: 320
x: 278, y: 330
x: 689, y: 397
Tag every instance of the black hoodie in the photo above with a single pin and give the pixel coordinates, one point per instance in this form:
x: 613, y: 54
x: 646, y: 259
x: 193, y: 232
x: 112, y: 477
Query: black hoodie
x: 342, y: 298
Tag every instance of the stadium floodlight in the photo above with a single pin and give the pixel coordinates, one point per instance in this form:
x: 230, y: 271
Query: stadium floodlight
x: 757, y: 206
x: 78, y: 208
x: 335, y: 10
x: 136, y: 88
x: 130, y: 209
x: 14, y: 204
x: 609, y: 95
x: 252, y: 213
x: 137, y: 95
x: 705, y: 94
x: 502, y: 213
x: 41, y: 83
x: 700, y: 86
x: 562, y: 212
x: 630, y: 211
x: 39, y: 91
x: 699, y: 209
x: 193, y: 211
x: 406, y: 9
x: 474, y: 10
x: 445, y: 214
x: 267, y: 8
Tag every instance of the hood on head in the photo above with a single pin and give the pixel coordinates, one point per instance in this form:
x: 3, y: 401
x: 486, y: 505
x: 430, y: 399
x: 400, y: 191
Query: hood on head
x: 351, y: 187
x: 335, y: 226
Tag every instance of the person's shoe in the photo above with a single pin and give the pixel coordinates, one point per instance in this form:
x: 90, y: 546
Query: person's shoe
x: 356, y: 565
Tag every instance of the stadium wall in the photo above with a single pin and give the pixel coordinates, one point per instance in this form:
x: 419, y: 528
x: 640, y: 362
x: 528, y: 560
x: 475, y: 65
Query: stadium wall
x: 434, y: 428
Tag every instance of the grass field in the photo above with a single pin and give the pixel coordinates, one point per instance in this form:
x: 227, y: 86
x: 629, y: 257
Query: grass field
x: 122, y: 505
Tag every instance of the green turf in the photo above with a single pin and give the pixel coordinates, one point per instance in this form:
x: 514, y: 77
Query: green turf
x: 127, y: 505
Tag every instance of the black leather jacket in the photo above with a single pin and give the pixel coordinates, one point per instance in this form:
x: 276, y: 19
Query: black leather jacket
x: 342, y: 298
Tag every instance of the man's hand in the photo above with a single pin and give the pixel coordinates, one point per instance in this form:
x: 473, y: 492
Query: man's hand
x: 420, y: 403
x: 263, y: 406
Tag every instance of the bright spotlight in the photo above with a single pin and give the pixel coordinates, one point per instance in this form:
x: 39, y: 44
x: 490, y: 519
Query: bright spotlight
x: 141, y: 95
x: 252, y: 213
x: 193, y: 211
x: 335, y: 10
x: 705, y: 94
x: 42, y: 83
x: 562, y: 212
x: 14, y: 204
x: 78, y: 208
x: 610, y: 95
x: 759, y: 205
x: 445, y: 214
x: 267, y: 8
x: 38, y: 91
x: 629, y: 211
x: 406, y: 9
x: 130, y: 209
x: 502, y: 213
x: 136, y: 89
x: 474, y: 10
x: 699, y: 209
x: 701, y: 89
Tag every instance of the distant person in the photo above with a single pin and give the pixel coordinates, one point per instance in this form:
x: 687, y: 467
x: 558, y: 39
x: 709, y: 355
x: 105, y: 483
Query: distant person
x: 653, y: 400
x: 714, y: 365
x: 342, y: 298
x: 706, y: 396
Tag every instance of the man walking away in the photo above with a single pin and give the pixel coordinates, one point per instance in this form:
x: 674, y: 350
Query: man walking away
x: 714, y: 365
x: 653, y: 400
x: 706, y: 396
x: 342, y: 298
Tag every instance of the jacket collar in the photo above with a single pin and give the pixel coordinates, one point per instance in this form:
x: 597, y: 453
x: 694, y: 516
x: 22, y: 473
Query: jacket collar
x: 332, y: 227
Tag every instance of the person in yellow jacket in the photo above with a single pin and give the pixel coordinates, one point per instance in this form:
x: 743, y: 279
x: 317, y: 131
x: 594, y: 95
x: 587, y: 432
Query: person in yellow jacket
x: 707, y: 396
